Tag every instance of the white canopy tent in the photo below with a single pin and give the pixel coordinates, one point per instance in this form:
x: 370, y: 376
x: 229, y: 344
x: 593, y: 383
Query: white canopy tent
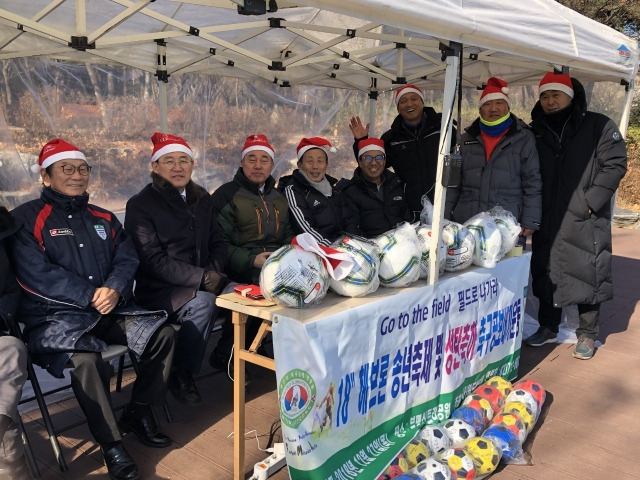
x: 368, y: 45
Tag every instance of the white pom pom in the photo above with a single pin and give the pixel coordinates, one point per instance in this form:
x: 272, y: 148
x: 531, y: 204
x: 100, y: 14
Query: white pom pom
x: 333, y: 150
x: 505, y: 90
x: 35, y: 168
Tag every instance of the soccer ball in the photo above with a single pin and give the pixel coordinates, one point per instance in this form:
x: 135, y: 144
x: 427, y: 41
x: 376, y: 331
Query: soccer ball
x: 424, y: 240
x: 488, y: 240
x: 399, y: 257
x: 508, y: 226
x: 460, y: 464
x: 503, y: 385
x: 523, y: 412
x: 432, y: 469
x: 471, y: 416
x: 363, y: 278
x: 460, y: 246
x: 480, y: 404
x: 513, y: 423
x: 436, y: 438
x: 525, y: 397
x: 415, y: 452
x: 459, y: 431
x: 492, y: 395
x: 534, y: 388
x: 294, y: 277
x: 484, y: 453
x: 397, y: 467
x: 506, y: 441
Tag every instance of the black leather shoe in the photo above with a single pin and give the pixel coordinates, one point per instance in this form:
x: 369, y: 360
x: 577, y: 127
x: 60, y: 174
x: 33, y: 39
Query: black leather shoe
x: 120, y: 464
x: 183, y: 388
x: 139, y: 420
x: 220, y: 360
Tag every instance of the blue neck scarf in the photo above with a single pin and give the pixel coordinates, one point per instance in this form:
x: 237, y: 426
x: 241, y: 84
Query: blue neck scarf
x: 497, y: 128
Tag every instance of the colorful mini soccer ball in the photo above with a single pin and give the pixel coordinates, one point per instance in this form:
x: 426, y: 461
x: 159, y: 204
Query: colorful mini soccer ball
x: 523, y: 412
x: 460, y: 464
x: 459, y: 431
x: 484, y: 453
x: 471, y: 416
x: 513, y: 423
x: 294, y: 277
x: 436, y: 439
x: 503, y: 385
x: 492, y: 395
x: 415, y: 452
x: 432, y: 469
x: 534, y: 388
x: 480, y: 404
x: 506, y: 441
x: 397, y: 467
x: 518, y: 395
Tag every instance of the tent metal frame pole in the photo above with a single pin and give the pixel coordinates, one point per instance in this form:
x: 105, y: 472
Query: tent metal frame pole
x: 162, y: 99
x: 446, y: 132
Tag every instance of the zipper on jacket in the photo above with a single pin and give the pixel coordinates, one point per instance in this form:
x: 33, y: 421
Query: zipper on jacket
x: 259, y: 217
x: 266, y: 209
x: 277, y: 218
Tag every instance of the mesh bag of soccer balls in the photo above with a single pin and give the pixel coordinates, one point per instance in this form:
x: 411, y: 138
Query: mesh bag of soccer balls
x: 483, y: 240
x: 488, y: 428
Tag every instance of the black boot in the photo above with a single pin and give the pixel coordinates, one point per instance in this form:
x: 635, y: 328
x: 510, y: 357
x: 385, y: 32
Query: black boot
x: 183, y: 388
x: 119, y: 463
x: 138, y: 418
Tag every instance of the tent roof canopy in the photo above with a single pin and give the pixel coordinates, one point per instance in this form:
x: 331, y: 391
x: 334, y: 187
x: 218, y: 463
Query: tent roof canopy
x: 356, y: 44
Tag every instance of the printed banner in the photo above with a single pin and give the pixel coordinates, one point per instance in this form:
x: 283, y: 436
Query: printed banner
x: 355, y: 387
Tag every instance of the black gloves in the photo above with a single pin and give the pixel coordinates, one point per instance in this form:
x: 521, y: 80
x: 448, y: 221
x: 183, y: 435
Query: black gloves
x: 214, y: 282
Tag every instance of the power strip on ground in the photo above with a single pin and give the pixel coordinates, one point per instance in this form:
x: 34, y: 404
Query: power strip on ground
x: 270, y: 465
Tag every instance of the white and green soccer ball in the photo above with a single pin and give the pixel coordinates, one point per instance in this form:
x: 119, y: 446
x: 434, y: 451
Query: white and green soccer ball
x: 488, y: 240
x: 460, y: 246
x: 399, y: 257
x: 363, y: 277
x: 508, y: 226
x: 293, y: 277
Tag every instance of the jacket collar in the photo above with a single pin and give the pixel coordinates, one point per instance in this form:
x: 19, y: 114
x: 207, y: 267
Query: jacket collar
x: 253, y: 187
x: 67, y: 203
x: 194, y: 191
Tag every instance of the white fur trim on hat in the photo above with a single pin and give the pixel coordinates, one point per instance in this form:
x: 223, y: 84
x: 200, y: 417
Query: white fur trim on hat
x: 56, y: 157
x: 170, y: 148
x: 264, y: 148
x: 556, y: 86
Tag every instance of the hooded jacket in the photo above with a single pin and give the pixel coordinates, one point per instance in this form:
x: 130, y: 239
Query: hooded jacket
x: 581, y: 169
x: 251, y: 223
x: 64, y: 250
x: 177, y: 242
x: 511, y: 178
x: 311, y: 211
x: 365, y: 213
x: 9, y: 290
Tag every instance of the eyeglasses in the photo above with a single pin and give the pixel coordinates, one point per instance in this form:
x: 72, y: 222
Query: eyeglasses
x: 369, y: 158
x: 83, y: 170
x: 172, y: 163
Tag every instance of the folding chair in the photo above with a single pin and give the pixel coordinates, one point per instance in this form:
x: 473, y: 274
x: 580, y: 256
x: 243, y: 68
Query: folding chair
x: 112, y: 352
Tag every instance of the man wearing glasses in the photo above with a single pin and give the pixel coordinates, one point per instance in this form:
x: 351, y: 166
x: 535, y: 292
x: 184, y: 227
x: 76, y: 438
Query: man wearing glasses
x: 182, y: 254
x: 76, y: 265
x: 374, y: 199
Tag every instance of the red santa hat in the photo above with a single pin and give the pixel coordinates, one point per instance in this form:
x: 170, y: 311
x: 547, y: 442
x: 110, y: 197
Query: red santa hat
x: 556, y: 81
x: 54, y: 151
x: 257, y: 142
x: 164, y: 143
x: 409, y: 87
x: 369, y: 144
x: 496, y: 89
x: 314, y: 142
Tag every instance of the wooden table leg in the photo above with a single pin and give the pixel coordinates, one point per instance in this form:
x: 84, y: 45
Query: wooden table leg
x: 239, y: 331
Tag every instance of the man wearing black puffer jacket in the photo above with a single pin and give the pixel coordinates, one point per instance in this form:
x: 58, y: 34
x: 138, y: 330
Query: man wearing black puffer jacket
x: 583, y: 157
x: 411, y: 144
x: 373, y: 200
